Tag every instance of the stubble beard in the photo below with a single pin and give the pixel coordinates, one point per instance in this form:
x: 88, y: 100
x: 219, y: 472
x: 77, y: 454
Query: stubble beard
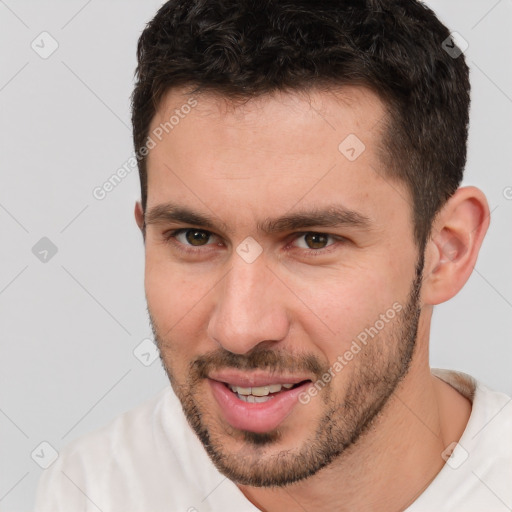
x: 381, y: 366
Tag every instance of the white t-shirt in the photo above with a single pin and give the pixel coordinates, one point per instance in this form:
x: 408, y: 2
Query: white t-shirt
x: 149, y: 460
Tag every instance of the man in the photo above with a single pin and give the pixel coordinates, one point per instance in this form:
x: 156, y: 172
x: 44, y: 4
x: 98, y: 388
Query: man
x: 300, y: 165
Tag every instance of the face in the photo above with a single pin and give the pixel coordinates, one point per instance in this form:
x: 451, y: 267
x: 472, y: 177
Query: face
x: 282, y: 278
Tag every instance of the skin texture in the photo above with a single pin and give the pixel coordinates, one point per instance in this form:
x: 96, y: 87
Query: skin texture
x: 374, y: 435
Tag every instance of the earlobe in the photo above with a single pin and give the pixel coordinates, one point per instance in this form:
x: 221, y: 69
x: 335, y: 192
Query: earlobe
x: 452, y: 251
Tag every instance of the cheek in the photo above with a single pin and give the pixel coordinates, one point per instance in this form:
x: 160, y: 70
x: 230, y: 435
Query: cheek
x: 175, y: 300
x: 343, y: 306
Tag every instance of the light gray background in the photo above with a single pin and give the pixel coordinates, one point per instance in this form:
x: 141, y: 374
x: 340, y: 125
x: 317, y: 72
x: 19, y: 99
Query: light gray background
x: 70, y: 325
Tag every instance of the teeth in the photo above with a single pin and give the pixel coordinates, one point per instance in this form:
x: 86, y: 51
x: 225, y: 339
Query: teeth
x: 259, y: 391
x: 262, y: 390
x: 254, y: 399
x: 242, y: 391
x: 260, y: 399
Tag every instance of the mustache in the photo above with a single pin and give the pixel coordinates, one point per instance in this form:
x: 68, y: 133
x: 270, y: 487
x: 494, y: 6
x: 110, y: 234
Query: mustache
x: 273, y: 361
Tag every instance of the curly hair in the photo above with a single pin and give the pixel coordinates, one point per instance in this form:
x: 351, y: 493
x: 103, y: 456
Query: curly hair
x: 241, y: 49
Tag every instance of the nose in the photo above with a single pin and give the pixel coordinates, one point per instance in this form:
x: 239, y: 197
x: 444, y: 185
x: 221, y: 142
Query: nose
x: 249, y: 308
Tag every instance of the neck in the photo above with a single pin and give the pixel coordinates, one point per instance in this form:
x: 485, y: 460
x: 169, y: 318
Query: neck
x: 393, y: 463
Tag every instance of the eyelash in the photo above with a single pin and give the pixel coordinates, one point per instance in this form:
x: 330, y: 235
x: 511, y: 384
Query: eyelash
x: 170, y: 238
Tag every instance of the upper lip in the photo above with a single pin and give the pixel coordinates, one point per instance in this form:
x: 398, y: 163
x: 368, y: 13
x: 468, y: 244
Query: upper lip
x: 254, y: 378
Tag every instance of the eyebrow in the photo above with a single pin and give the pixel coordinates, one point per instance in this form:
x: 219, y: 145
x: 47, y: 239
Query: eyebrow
x: 327, y: 216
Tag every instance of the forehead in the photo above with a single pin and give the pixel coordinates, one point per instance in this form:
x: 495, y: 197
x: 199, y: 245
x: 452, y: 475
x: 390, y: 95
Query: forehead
x: 356, y: 105
x: 272, y: 152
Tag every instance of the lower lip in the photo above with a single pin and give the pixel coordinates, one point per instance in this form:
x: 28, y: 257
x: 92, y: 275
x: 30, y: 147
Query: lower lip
x: 256, y: 417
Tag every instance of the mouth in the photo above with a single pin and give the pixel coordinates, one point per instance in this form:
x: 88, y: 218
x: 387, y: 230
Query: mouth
x: 261, y: 394
x: 260, y: 407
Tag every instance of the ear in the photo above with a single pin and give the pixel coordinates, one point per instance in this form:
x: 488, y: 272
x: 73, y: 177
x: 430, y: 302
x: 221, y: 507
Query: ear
x: 452, y: 250
x: 139, y: 216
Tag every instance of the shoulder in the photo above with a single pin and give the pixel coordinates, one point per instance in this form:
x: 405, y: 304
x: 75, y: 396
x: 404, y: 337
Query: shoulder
x: 490, y: 427
x: 138, y: 425
x: 148, y: 458
x: 102, y: 468
x: 478, y: 469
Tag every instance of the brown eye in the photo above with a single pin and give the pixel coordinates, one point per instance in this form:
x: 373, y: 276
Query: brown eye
x: 316, y: 240
x: 197, y: 237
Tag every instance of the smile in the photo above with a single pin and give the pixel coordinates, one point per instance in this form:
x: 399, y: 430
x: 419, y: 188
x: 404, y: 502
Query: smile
x: 256, y: 408
x: 259, y: 394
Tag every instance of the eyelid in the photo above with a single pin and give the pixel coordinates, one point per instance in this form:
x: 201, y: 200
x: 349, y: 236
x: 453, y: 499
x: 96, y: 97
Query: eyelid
x: 172, y: 234
x: 318, y: 253
x: 299, y: 234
